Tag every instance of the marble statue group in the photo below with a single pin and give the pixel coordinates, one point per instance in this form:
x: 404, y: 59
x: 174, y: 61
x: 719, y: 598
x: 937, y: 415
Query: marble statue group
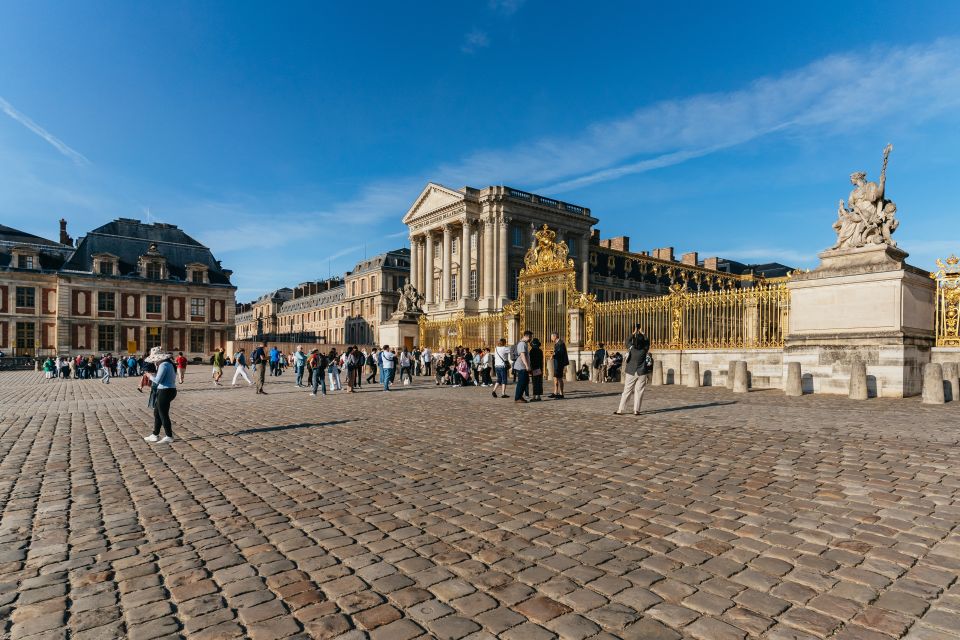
x: 868, y: 216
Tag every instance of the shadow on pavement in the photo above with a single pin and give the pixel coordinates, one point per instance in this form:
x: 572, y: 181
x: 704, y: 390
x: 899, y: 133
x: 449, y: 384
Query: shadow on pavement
x: 286, y: 427
x: 687, y: 406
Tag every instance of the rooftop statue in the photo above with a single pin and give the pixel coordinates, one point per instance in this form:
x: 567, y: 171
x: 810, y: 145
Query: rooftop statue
x: 869, y: 219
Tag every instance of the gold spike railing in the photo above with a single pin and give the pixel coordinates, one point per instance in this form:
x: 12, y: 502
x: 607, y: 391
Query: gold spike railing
x: 948, y: 302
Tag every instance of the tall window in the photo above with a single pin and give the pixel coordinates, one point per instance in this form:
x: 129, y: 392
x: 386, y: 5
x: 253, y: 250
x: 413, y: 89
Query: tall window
x: 436, y: 250
x: 572, y: 242
x: 196, y: 340
x: 25, y: 262
x: 436, y: 290
x: 25, y: 335
x: 26, y: 297
x: 106, y: 301
x: 473, y: 283
x: 198, y: 307
x: 473, y: 243
x: 154, y: 304
x: 515, y: 284
x: 453, y: 287
x: 153, y: 337
x: 455, y: 246
x: 363, y: 286
x: 373, y: 283
x: 106, y: 337
x: 153, y: 270
x: 517, y: 234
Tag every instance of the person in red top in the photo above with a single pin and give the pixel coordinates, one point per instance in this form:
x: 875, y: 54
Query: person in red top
x: 181, y: 366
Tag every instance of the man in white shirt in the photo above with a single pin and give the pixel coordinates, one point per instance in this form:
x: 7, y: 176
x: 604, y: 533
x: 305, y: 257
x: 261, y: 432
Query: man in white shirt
x: 427, y: 358
x: 522, y: 366
x: 388, y: 360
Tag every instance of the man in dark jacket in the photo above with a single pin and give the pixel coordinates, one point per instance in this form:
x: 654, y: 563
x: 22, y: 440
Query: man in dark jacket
x: 635, y: 370
x: 560, y: 362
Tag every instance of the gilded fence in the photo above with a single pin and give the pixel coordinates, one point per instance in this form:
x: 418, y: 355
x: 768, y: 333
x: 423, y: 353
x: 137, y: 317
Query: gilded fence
x: 752, y: 318
x: 948, y: 302
x: 473, y: 332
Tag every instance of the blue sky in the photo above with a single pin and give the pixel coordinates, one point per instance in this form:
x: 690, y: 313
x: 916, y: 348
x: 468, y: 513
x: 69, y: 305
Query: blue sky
x: 291, y: 137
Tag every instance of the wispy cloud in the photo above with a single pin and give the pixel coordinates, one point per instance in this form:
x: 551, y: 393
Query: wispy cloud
x: 474, y: 41
x: 58, y: 144
x: 826, y: 94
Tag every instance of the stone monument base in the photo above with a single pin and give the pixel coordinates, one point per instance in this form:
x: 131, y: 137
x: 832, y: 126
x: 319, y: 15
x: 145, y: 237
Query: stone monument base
x: 401, y: 330
x: 862, y: 304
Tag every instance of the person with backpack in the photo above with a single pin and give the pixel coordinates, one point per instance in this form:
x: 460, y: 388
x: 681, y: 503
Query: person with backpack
x: 240, y: 364
x: 259, y: 357
x: 317, y: 363
x: 638, y: 366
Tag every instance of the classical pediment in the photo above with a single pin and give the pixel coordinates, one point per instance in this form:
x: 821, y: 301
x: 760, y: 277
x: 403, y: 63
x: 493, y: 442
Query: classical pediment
x: 433, y: 197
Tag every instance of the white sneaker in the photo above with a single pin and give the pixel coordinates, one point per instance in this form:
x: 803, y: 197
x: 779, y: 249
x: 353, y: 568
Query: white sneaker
x: 165, y: 440
x: 151, y: 438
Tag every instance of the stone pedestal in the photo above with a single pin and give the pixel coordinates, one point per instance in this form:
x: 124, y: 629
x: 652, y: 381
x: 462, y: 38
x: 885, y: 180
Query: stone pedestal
x: 401, y: 330
x: 862, y: 304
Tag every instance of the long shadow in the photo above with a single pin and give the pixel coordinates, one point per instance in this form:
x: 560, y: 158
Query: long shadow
x: 287, y: 427
x: 687, y: 407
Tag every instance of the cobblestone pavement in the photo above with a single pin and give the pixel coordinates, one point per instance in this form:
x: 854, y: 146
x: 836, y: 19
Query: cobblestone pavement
x: 446, y: 513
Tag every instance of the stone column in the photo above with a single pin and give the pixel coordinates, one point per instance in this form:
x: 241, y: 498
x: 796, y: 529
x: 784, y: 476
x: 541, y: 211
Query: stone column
x: 445, y: 277
x: 585, y: 264
x: 428, y: 268
x: 504, y: 250
x: 415, y: 271
x: 487, y: 263
x: 465, y: 260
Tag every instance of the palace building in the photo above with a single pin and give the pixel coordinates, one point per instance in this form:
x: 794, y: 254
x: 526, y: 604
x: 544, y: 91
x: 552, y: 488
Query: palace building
x: 125, y: 287
x: 467, y: 248
x: 346, y: 310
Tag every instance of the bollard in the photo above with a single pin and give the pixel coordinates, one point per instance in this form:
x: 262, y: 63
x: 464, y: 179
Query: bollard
x: 741, y: 379
x: 858, y: 380
x: 657, y: 373
x: 793, y: 386
x: 731, y: 373
x: 950, y: 374
x: 693, y: 378
x: 932, y: 383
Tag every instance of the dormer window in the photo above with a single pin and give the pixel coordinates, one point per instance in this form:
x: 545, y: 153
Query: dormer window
x: 23, y: 257
x: 106, y: 268
x: 105, y: 264
x: 197, y: 273
x: 25, y: 262
x: 154, y: 270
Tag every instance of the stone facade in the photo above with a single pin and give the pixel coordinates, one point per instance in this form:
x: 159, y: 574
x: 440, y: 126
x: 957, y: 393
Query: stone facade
x: 125, y: 286
x: 467, y: 247
x: 350, y: 310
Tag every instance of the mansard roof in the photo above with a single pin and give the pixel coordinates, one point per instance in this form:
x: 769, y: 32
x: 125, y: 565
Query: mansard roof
x: 51, y: 255
x: 395, y: 259
x: 130, y: 239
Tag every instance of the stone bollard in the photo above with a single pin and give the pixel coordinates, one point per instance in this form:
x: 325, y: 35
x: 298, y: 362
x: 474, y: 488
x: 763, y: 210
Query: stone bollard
x: 950, y: 374
x: 741, y: 378
x: 693, y: 377
x: 858, y: 380
x: 731, y: 373
x: 657, y: 373
x: 793, y: 386
x: 932, y: 383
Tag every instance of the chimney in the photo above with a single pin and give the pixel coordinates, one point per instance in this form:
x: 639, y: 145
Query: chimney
x: 64, y: 238
x: 710, y: 263
x: 689, y: 258
x: 620, y: 243
x: 595, y: 236
x: 664, y: 254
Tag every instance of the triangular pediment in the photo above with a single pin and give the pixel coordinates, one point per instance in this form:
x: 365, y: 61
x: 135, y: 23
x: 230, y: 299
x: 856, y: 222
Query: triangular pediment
x: 433, y: 197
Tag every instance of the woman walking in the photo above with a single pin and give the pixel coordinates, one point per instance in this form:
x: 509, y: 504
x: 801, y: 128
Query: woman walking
x: 536, y: 369
x: 165, y: 381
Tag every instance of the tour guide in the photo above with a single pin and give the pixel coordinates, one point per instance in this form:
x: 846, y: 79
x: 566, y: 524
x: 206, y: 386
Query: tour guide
x: 637, y: 368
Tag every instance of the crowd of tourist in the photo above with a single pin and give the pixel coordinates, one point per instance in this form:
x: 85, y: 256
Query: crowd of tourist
x: 523, y: 364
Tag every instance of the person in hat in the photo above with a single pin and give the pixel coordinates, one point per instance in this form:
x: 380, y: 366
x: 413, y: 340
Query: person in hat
x: 165, y: 380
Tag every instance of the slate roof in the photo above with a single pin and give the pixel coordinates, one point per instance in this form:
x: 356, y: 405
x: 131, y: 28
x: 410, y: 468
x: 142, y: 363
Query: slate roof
x: 398, y: 259
x: 129, y: 239
x: 51, y: 254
